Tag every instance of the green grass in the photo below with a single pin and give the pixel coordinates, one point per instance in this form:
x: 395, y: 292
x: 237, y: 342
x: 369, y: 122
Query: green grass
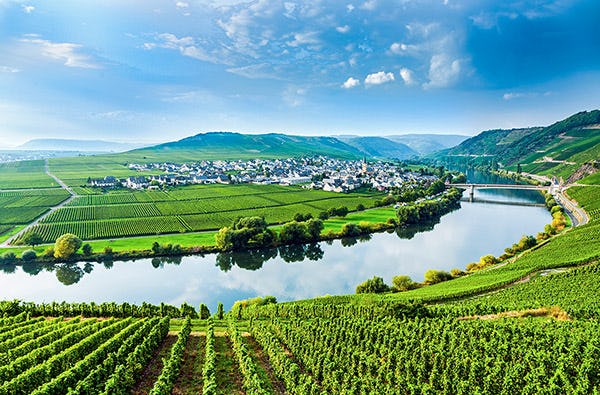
x: 376, y: 215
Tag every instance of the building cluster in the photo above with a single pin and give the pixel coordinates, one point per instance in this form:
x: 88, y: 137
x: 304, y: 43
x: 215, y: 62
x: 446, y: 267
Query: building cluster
x: 325, y: 173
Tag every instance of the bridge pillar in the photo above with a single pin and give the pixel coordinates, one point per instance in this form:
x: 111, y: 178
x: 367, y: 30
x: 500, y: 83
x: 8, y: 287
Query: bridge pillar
x: 471, y: 191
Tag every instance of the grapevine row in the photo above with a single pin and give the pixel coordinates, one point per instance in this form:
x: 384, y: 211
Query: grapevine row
x: 252, y: 383
x: 164, y: 383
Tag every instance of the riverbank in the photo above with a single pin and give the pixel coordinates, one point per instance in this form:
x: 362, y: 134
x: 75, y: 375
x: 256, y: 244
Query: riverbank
x: 353, y: 224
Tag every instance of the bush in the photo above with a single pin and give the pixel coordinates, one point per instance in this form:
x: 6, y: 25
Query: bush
x: 86, y: 249
x: 360, y: 207
x: 436, y: 276
x: 28, y: 255
x: 351, y: 229
x: 403, y: 283
x: 457, y: 273
x: 374, y: 285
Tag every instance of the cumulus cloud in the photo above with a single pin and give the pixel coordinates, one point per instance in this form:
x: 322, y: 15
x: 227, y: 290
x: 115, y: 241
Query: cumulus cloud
x: 181, y: 4
x: 68, y: 53
x: 379, y: 78
x: 28, y: 9
x: 443, y: 71
x: 407, y: 76
x: 350, y: 83
x: 350, y: 7
x: 343, y: 29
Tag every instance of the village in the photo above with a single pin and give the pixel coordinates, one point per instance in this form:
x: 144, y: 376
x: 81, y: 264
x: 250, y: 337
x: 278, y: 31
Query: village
x: 320, y: 172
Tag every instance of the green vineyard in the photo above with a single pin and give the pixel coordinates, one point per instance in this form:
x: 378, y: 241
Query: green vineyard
x: 343, y: 355
x: 181, y: 210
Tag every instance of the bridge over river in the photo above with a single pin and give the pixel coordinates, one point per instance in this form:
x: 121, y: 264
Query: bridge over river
x: 471, y: 187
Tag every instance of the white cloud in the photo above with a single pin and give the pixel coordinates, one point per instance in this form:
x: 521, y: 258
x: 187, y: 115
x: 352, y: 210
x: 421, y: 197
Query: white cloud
x: 343, y: 29
x: 403, y: 49
x: 6, y: 69
x: 443, y: 71
x: 66, y: 52
x: 512, y: 95
x: 369, y: 5
x: 350, y: 83
x: 187, y: 46
x: 181, y: 4
x: 350, y: 7
x: 379, y: 78
x: 521, y: 95
x: 407, y: 76
x: 28, y: 9
x: 307, y: 38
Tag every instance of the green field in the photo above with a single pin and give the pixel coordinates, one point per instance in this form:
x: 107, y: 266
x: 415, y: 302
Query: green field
x: 187, y: 209
x: 22, y: 207
x: 25, y: 175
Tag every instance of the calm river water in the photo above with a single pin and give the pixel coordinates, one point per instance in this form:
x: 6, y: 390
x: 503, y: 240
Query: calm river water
x: 295, y: 272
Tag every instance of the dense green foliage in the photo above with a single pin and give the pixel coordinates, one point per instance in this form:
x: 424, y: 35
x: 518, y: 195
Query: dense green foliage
x: 349, y: 355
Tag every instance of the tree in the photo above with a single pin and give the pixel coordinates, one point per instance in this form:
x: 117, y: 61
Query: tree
x: 293, y: 232
x: 487, y: 260
x: 351, y: 229
x: 527, y: 242
x: 436, y: 276
x: 203, y: 312
x: 314, y: 227
x: 220, y: 311
x: 86, y: 249
x: 28, y: 255
x: 403, y: 283
x: 33, y: 239
x: 66, y: 245
x: 374, y: 285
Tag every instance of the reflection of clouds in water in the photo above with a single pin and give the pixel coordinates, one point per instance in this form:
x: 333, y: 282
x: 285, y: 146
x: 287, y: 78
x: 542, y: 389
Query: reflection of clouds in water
x: 461, y: 237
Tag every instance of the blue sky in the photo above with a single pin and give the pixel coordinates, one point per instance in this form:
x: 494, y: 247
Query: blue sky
x: 161, y: 70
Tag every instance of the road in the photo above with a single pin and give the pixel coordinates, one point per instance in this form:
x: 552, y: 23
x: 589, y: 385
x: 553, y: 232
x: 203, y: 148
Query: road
x: 577, y: 215
x: 60, y: 182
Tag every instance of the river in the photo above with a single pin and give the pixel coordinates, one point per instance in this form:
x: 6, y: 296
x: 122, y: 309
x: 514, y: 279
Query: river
x: 295, y: 272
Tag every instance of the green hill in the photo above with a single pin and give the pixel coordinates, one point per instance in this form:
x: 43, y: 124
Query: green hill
x: 560, y: 149
x: 225, y: 145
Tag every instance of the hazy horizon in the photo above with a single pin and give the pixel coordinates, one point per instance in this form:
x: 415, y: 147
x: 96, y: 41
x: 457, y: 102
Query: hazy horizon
x: 157, y: 71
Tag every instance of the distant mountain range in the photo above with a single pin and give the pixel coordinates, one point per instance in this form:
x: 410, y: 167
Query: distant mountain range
x: 236, y: 145
x: 76, y: 145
